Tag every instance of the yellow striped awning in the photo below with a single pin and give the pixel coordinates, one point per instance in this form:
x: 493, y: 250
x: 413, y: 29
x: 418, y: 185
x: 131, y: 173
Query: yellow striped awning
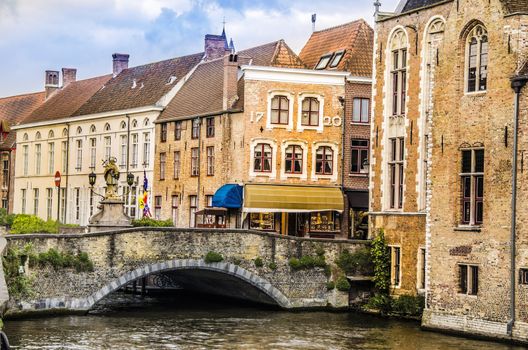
x: 293, y: 199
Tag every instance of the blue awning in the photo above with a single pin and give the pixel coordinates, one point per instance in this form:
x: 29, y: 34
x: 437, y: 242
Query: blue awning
x: 228, y: 196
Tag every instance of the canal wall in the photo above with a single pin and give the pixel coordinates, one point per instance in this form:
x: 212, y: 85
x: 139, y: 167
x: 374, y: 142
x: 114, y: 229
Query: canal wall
x: 120, y: 257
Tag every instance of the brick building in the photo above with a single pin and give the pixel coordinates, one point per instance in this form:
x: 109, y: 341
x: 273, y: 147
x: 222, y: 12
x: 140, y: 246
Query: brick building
x: 258, y: 120
x: 450, y: 93
x: 348, y: 48
x: 13, y: 109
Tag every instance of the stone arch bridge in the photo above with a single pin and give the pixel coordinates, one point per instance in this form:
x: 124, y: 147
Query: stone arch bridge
x: 123, y: 256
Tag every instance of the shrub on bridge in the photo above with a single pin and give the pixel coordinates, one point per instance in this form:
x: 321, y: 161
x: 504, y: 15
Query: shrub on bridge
x: 24, y: 223
x: 342, y: 284
x: 213, y: 257
x: 58, y: 260
x: 149, y: 222
x: 259, y: 262
x: 357, y: 263
x: 308, y: 262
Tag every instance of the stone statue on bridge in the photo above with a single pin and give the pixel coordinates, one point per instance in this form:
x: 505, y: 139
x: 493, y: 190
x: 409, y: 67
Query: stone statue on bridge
x: 111, y: 176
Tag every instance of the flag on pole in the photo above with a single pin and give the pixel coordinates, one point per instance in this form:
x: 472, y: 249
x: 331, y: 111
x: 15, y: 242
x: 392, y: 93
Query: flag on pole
x: 143, y: 200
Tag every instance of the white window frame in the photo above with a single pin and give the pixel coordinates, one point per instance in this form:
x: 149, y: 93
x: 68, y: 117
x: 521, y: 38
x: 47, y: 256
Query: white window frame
x: 51, y: 157
x: 320, y: 127
x: 304, y: 146
x: 290, y: 97
x: 38, y: 158
x: 335, y: 170
x: 93, y: 152
x: 393, y: 265
x: 273, y: 144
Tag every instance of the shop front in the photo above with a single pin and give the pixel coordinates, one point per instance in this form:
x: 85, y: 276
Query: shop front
x: 357, y: 207
x: 305, y: 211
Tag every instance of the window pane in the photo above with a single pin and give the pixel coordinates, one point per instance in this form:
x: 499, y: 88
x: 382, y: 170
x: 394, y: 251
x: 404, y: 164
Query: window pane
x: 355, y: 165
x: 356, y: 114
x: 466, y: 161
x: 364, y: 110
x: 474, y: 280
x: 463, y: 278
x: 275, y: 102
x: 479, y: 161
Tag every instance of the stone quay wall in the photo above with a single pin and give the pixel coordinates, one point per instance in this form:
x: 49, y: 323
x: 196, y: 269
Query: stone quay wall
x: 120, y: 257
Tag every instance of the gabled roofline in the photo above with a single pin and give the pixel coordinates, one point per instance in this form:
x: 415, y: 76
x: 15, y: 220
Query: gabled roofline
x: 396, y: 15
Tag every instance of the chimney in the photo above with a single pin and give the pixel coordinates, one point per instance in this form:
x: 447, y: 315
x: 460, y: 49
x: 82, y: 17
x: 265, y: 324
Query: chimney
x: 69, y: 75
x: 120, y: 61
x: 230, y: 80
x: 51, y: 82
x: 215, y: 46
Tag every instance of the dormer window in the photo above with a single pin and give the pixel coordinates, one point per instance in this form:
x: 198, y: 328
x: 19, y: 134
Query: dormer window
x: 337, y: 58
x: 323, y: 61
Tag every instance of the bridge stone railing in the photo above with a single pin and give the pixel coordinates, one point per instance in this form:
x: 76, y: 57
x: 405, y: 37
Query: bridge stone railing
x: 126, y: 255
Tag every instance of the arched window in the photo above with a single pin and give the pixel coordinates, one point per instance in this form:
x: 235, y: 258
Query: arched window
x: 262, y: 160
x: 123, y: 125
x: 92, y: 129
x: 134, y: 123
x: 107, y: 127
x: 51, y: 134
x: 293, y: 159
x: 146, y: 122
x: 310, y: 111
x: 79, y: 130
x: 25, y: 137
x: 38, y: 136
x: 398, y: 71
x: 477, y: 59
x: 64, y: 132
x: 280, y: 109
x: 324, y: 161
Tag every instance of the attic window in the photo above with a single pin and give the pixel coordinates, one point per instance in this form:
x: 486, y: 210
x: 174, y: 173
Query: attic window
x: 323, y: 61
x: 172, y: 79
x: 337, y: 58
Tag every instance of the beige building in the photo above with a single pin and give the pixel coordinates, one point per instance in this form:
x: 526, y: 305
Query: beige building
x: 255, y: 119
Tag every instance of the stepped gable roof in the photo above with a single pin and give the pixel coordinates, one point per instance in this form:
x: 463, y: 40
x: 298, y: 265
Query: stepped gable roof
x: 356, y: 38
x: 67, y: 100
x: 13, y: 109
x: 202, y: 93
x: 515, y: 6
x: 140, y: 86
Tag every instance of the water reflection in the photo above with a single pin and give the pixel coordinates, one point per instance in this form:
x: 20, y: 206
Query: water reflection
x: 184, y: 322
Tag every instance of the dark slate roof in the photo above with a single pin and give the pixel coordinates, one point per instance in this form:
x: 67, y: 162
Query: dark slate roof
x: 202, y: 93
x: 13, y: 109
x: 416, y: 4
x: 66, y: 101
x: 140, y: 86
x: 515, y: 6
x: 356, y: 38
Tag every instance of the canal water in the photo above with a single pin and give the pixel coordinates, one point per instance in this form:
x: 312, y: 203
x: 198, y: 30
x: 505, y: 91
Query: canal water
x: 198, y: 322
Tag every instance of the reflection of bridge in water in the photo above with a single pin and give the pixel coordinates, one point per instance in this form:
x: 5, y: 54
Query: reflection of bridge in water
x: 176, y: 256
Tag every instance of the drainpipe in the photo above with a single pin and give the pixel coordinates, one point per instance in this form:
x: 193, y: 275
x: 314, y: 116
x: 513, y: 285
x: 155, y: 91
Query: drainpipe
x: 517, y: 85
x: 199, y: 167
x: 127, y: 199
x: 345, y: 215
x: 67, y: 175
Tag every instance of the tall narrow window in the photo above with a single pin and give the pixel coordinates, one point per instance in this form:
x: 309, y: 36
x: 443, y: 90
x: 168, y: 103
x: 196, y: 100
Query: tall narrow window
x: 135, y: 147
x: 324, y: 161
x: 63, y: 205
x: 146, y: 149
x: 262, y: 158
x: 77, y: 203
x: 193, y: 206
x: 195, y: 132
x: 310, y: 111
x: 395, y: 270
x: 359, y: 156
x: 468, y: 279
x: 397, y: 146
x: 163, y: 159
x: 177, y: 164
x: 108, y: 147
x: 36, y: 201
x: 124, y: 151
x: 477, y: 59
x: 78, y: 164
x: 398, y: 72
x: 49, y: 203
x: 175, y: 201
x: 210, y: 131
x: 23, y: 199
x: 157, y: 207
x: 472, y: 179
x: 64, y: 156
x: 177, y: 130
x: 293, y: 160
x: 194, y: 161
x: 163, y: 133
x: 25, y: 153
x: 421, y: 269
x: 210, y: 160
x: 93, y: 152
x: 360, y: 111
x: 51, y: 158
x: 5, y: 173
x: 38, y: 158
x: 280, y: 109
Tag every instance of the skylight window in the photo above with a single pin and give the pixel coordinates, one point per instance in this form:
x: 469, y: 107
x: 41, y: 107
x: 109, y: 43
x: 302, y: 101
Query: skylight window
x: 337, y: 58
x: 323, y: 61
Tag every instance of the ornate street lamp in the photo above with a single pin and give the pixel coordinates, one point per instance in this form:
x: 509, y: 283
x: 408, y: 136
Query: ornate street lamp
x: 91, y: 179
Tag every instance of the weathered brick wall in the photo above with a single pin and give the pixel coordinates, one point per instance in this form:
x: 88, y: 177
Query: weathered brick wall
x: 117, y: 255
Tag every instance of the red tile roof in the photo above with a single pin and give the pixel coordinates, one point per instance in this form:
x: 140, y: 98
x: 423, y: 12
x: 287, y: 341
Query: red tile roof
x: 356, y: 38
x: 13, y: 109
x: 140, y: 86
x: 66, y: 101
x: 202, y: 93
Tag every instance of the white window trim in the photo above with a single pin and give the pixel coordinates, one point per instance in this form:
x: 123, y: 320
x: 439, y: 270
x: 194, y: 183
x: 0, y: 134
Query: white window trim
x: 304, y: 146
x: 290, y: 97
x: 300, y: 99
x: 391, y: 246
x: 273, y: 173
x: 335, y: 148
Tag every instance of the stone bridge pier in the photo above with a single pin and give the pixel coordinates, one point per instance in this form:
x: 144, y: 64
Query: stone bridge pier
x: 123, y: 256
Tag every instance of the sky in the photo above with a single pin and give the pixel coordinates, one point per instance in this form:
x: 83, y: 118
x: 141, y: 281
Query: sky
x: 39, y: 35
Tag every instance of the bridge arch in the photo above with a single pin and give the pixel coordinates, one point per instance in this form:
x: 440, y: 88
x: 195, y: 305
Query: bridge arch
x: 236, y: 271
